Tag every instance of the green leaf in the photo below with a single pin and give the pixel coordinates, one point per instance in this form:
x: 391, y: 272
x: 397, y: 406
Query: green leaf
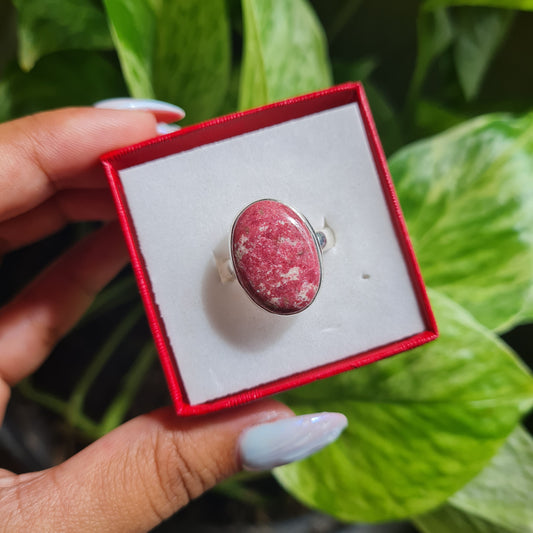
x: 449, y: 519
x: 502, y: 492
x: 526, y: 314
x: 498, y: 499
x: 46, y: 26
x: 285, y: 51
x: 434, y: 36
x: 359, y: 70
x: 526, y: 5
x: 432, y: 117
x: 58, y: 80
x: 192, y: 55
x: 467, y: 196
x: 133, y: 24
x: 421, y: 424
x: 230, y: 104
x: 479, y: 33
x: 174, y: 50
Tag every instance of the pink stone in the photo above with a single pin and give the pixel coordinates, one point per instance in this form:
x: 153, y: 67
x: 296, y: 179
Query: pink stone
x: 276, y: 257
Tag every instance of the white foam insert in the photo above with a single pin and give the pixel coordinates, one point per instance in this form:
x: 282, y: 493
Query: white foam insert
x: 183, y: 207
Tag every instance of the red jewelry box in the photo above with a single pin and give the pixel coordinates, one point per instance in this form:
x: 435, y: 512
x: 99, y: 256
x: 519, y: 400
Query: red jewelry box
x: 214, y: 137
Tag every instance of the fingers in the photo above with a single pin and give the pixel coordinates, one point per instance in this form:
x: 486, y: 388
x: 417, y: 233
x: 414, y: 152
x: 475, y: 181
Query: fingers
x: 47, y: 152
x: 39, y: 316
x: 143, y: 472
x: 139, y: 474
x: 49, y: 217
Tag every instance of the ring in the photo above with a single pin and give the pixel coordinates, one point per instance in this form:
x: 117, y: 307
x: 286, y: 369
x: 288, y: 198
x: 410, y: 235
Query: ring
x: 276, y: 256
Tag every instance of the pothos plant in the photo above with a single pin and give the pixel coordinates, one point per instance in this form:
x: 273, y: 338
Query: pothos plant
x: 434, y: 434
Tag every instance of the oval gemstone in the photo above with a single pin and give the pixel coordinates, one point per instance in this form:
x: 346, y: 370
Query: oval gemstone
x: 276, y: 257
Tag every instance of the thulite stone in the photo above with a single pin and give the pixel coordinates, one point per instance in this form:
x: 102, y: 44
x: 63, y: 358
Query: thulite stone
x: 275, y: 257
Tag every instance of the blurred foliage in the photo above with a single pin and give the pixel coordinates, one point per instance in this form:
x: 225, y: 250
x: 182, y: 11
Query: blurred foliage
x: 421, y: 425
x: 467, y: 201
x: 433, y: 433
x: 189, y: 64
x: 52, y: 25
x: 284, y: 52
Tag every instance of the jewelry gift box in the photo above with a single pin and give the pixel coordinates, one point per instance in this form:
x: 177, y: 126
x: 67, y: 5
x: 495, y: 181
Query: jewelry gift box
x: 177, y: 198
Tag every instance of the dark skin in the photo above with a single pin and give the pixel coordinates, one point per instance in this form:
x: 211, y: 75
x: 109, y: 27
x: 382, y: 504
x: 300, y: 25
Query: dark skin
x: 145, y: 470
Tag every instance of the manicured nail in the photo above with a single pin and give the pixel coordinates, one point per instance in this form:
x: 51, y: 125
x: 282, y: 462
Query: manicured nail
x: 163, y: 128
x: 277, y: 443
x: 163, y: 111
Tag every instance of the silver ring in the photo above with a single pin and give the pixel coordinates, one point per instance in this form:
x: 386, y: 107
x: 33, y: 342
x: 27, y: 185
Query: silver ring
x: 276, y: 256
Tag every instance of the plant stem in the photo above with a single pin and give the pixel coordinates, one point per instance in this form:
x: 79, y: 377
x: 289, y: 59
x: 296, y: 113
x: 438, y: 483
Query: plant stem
x: 115, y: 413
x: 58, y: 406
x: 77, y: 398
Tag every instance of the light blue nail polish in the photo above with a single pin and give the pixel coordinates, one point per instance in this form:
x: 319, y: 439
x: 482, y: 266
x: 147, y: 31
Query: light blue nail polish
x: 277, y: 443
x: 163, y: 111
x: 163, y: 128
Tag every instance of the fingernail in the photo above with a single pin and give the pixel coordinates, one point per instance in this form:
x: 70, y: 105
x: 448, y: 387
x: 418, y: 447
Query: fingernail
x: 163, y: 111
x: 163, y: 128
x: 277, y: 443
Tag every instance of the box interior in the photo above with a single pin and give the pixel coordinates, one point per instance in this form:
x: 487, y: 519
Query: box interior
x: 183, y: 207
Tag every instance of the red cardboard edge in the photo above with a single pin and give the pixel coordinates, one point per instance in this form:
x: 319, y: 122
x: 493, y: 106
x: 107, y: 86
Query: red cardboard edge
x: 238, y: 124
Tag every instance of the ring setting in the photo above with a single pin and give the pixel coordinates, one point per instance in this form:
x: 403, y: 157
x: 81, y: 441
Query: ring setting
x: 276, y: 256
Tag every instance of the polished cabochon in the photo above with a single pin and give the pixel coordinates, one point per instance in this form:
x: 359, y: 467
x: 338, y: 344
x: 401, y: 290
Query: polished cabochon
x: 276, y: 257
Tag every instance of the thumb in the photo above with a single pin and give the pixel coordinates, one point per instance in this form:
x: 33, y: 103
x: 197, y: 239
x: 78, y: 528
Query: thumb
x: 137, y: 475
x: 144, y: 471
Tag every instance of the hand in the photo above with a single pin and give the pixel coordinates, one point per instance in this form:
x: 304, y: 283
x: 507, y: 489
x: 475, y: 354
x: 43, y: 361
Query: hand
x: 144, y: 471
